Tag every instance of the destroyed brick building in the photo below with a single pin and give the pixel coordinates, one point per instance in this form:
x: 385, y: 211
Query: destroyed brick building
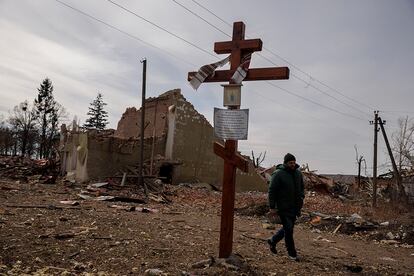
x: 178, y: 145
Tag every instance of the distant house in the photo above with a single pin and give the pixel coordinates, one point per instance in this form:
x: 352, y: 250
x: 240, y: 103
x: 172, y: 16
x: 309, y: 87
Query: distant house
x: 175, y: 133
x: 408, y: 183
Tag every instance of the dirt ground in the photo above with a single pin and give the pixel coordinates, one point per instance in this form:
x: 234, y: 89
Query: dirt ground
x: 41, y: 236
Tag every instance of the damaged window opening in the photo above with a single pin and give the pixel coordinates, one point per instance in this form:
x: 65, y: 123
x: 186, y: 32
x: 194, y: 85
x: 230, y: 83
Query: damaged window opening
x: 166, y: 173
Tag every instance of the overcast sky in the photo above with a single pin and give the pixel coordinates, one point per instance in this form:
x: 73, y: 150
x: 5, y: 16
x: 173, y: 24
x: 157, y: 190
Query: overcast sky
x: 361, y: 49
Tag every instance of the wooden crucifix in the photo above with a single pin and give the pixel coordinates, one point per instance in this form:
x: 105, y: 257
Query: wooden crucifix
x: 238, y: 47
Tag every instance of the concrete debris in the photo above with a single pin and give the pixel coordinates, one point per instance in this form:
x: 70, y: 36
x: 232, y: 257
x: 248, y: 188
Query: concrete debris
x: 355, y: 218
x: 320, y: 238
x: 318, y: 183
x: 351, y: 224
x: 126, y: 208
x: 70, y: 177
x: 268, y: 226
x: 69, y: 202
x: 389, y: 242
x: 154, y: 272
x: 204, y: 263
x: 385, y: 223
x: 98, y: 185
x: 28, y: 170
x: 388, y: 259
x: 390, y: 236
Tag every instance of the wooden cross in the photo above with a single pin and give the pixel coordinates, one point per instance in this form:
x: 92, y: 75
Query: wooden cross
x: 238, y: 47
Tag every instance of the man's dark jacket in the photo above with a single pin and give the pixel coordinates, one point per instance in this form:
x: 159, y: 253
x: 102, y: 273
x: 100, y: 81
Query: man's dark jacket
x: 286, y: 192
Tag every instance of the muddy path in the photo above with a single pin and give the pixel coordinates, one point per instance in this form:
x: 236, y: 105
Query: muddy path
x: 40, y: 235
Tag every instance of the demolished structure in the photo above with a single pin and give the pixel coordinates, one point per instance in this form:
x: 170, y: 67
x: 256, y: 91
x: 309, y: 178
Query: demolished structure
x: 178, y: 147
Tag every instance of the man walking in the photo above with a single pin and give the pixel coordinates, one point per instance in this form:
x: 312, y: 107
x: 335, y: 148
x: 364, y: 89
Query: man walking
x: 286, y: 194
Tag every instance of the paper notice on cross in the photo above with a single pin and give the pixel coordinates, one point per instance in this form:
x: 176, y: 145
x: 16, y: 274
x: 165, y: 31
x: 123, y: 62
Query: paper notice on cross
x: 231, y: 123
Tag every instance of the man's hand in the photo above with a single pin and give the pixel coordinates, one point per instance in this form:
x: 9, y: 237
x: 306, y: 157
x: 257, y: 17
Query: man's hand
x: 273, y: 217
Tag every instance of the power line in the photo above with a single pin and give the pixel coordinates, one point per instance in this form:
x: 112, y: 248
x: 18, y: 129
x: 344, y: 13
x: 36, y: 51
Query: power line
x: 314, y: 102
x: 212, y: 13
x: 195, y: 14
x: 283, y: 105
x: 297, y: 77
x: 125, y: 33
x: 316, y: 88
x: 397, y: 111
x: 325, y: 93
x: 161, y: 28
x: 313, y: 78
x: 142, y: 41
x: 302, y: 112
x: 285, y: 60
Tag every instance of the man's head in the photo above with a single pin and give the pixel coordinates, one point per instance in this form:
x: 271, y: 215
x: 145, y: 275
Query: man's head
x: 290, y: 161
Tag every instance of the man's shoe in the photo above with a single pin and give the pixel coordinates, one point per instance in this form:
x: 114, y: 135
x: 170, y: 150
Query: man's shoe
x: 272, y: 246
x: 294, y: 258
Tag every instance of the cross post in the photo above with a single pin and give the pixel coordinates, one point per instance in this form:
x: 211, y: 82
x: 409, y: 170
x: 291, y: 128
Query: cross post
x: 238, y: 47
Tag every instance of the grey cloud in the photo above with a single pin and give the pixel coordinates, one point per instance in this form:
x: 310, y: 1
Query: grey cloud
x: 364, y: 49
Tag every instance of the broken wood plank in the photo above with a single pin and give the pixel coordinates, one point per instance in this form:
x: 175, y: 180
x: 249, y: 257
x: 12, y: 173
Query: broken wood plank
x: 253, y: 238
x: 123, y: 179
x: 337, y: 228
x: 51, y: 207
x: 340, y: 250
x: 126, y: 208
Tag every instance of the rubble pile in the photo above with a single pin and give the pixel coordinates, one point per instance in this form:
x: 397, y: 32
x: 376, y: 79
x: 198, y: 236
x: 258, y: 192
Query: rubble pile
x: 313, y: 181
x: 323, y: 184
x: 24, y: 169
x: 152, y: 171
x: 342, y: 224
x: 110, y: 191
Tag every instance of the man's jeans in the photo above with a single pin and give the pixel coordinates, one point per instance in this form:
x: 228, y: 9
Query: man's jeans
x: 286, y: 232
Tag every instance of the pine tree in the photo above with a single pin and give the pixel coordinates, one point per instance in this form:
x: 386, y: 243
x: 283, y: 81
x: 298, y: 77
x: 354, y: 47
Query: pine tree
x: 97, y: 115
x: 48, y: 112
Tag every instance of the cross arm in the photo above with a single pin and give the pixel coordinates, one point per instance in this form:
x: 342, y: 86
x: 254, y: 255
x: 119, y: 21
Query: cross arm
x: 270, y: 73
x: 250, y: 45
x: 236, y: 159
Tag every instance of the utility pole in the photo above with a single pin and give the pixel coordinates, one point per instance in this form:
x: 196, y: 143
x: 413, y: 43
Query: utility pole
x: 141, y: 159
x: 361, y: 158
x: 394, y: 165
x: 374, y: 173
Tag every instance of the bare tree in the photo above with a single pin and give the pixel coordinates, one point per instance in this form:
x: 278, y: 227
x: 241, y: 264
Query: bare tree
x: 403, y: 144
x: 258, y: 160
x: 359, y: 159
x: 6, y: 138
x: 23, y: 123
